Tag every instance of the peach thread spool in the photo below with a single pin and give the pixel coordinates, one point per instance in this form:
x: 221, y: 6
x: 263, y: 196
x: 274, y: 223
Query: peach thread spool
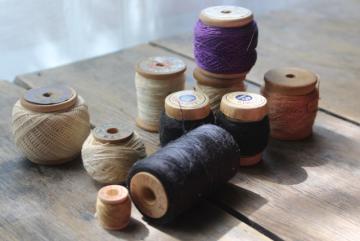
x: 110, y: 151
x: 113, y: 207
x: 293, y: 97
x: 215, y: 87
x: 244, y: 116
x: 156, y: 78
x: 50, y: 124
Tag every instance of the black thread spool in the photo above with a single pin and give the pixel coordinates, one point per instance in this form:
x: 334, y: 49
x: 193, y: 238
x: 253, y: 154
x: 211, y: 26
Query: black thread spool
x: 186, y: 170
x: 184, y: 110
x: 244, y: 115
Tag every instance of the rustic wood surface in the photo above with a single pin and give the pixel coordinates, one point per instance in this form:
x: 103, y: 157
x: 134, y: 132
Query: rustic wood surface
x: 304, y: 190
x: 58, y: 203
x: 322, y: 36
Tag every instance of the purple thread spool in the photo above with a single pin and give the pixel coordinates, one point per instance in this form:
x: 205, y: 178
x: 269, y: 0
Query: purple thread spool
x: 225, y: 40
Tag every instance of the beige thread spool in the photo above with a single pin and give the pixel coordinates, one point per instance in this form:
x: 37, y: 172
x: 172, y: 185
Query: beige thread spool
x: 245, y: 110
x: 50, y: 124
x: 155, y: 78
x: 113, y: 207
x: 110, y: 151
x: 215, y: 88
x: 293, y: 101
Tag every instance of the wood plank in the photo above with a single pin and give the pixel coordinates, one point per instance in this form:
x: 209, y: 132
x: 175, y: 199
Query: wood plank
x: 322, y: 36
x: 303, y: 190
x: 58, y: 203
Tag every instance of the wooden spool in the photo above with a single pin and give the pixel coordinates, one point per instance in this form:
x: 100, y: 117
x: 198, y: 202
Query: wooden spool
x: 49, y: 98
x: 207, y: 80
x: 187, y: 105
x: 226, y: 16
x: 115, y: 195
x: 158, y: 68
x: 149, y: 195
x: 244, y: 107
x: 112, y: 133
x: 290, y: 81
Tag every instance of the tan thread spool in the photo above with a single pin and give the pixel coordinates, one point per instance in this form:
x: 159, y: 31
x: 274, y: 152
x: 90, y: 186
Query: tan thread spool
x: 156, y: 78
x: 113, y: 207
x: 293, y: 102
x: 149, y: 194
x: 254, y: 109
x: 110, y: 151
x: 50, y: 124
x: 215, y: 88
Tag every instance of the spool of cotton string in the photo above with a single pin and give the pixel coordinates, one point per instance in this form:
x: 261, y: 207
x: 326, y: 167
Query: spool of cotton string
x: 156, y: 78
x: 216, y: 88
x: 110, y: 151
x: 50, y: 124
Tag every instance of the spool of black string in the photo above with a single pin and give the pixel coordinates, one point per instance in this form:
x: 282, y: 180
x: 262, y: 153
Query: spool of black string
x: 182, y: 173
x: 184, y: 110
x: 244, y: 116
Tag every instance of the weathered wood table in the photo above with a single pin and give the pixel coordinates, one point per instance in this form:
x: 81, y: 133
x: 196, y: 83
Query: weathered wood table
x: 306, y: 190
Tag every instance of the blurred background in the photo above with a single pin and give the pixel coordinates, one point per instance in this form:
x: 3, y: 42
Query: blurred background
x: 39, y: 34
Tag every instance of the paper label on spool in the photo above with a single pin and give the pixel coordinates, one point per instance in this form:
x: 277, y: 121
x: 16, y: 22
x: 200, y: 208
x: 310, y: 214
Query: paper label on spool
x: 226, y: 13
x: 161, y: 65
x: 187, y: 99
x: 246, y: 100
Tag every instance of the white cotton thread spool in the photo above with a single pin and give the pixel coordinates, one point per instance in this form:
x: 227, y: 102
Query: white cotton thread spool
x: 50, y: 124
x: 156, y: 78
x: 110, y: 151
x: 215, y: 88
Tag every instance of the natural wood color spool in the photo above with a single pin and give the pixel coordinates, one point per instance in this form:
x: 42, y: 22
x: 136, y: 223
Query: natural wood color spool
x: 244, y: 107
x: 149, y: 194
x: 240, y: 76
x: 113, y: 194
x: 204, y: 79
x: 49, y: 98
x: 147, y: 126
x: 187, y: 105
x: 161, y: 68
x: 226, y: 16
x: 290, y: 81
x: 112, y: 133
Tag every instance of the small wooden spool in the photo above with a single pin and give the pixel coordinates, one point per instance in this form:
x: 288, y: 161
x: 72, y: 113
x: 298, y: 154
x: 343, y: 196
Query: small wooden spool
x: 287, y: 82
x: 115, y: 195
x: 244, y: 107
x: 226, y: 16
x: 158, y: 68
x: 216, y: 82
x: 149, y: 195
x: 187, y: 105
x: 112, y: 133
x: 49, y: 98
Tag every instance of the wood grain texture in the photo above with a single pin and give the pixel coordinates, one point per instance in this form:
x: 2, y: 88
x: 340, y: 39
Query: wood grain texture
x: 303, y: 190
x: 58, y: 203
x: 322, y: 36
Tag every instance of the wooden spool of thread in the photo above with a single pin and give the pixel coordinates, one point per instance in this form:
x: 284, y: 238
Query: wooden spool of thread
x: 215, y: 87
x: 113, y: 207
x: 50, y: 124
x: 293, y: 97
x: 184, y: 110
x: 225, y: 39
x: 244, y: 115
x: 182, y: 173
x: 156, y: 78
x: 110, y: 151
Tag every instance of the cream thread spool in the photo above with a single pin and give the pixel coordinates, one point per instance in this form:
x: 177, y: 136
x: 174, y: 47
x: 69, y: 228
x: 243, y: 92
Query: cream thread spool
x: 110, y: 151
x: 113, y: 207
x: 215, y: 88
x: 293, y: 101
x: 50, y: 124
x: 245, y: 107
x: 155, y: 78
